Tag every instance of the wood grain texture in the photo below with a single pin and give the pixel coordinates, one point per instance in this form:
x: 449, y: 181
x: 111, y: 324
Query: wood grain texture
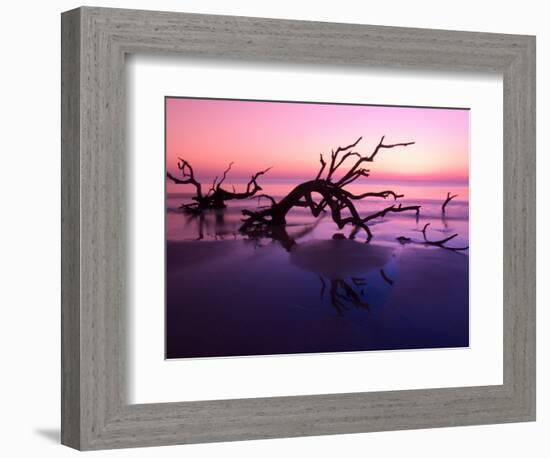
x: 95, y: 413
x: 70, y: 229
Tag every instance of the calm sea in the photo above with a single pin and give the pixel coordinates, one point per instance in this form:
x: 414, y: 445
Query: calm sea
x: 225, y: 224
x: 229, y: 295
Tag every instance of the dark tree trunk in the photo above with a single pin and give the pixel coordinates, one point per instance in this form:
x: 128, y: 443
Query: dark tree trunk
x: 216, y: 196
x: 332, y: 195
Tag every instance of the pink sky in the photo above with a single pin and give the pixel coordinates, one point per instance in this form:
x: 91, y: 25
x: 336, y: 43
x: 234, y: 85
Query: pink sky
x: 290, y: 136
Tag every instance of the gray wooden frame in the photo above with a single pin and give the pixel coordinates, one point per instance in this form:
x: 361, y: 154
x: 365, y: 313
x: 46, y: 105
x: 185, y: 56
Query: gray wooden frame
x: 95, y: 413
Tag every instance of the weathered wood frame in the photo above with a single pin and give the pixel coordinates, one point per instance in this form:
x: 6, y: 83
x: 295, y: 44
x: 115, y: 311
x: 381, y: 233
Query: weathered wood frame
x: 95, y: 413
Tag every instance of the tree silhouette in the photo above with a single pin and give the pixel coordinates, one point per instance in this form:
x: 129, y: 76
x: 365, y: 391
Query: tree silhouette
x: 216, y: 196
x: 441, y: 243
x: 332, y: 193
x: 447, y: 200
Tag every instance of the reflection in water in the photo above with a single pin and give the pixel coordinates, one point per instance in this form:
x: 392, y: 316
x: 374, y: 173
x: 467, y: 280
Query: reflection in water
x: 211, y: 223
x: 305, y: 288
x: 350, y: 269
x: 342, y: 294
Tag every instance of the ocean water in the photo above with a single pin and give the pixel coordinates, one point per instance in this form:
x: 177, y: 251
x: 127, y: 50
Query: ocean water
x: 231, y: 295
x: 223, y: 224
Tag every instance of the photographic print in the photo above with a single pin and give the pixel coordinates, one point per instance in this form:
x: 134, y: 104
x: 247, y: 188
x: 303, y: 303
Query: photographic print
x: 302, y: 227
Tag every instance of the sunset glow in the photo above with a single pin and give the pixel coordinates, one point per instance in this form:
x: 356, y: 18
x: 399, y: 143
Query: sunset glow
x: 321, y: 254
x: 289, y: 137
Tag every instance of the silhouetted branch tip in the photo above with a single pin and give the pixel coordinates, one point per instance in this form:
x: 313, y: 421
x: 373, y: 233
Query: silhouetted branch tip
x: 216, y: 196
x: 326, y: 193
x: 447, y: 200
x: 441, y: 243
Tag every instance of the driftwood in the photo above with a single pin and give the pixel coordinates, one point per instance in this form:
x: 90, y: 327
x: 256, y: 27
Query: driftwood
x: 447, y: 200
x: 439, y: 243
x: 332, y: 194
x: 216, y: 196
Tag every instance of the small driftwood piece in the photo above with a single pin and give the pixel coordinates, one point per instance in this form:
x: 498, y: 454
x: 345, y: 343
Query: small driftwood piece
x: 447, y: 200
x: 442, y: 242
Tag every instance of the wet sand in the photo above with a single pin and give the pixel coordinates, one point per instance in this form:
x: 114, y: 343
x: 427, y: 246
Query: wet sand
x: 235, y: 297
x: 227, y: 295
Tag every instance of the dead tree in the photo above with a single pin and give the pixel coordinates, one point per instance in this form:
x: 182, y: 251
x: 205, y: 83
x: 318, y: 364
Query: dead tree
x: 447, y: 200
x: 216, y: 196
x: 439, y: 243
x: 332, y: 193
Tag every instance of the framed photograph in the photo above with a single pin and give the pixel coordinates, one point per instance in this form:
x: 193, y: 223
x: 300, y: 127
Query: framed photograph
x: 343, y: 246
x: 277, y: 228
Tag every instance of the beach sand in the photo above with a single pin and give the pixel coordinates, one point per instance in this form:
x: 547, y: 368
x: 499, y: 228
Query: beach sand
x: 233, y: 297
x: 227, y: 295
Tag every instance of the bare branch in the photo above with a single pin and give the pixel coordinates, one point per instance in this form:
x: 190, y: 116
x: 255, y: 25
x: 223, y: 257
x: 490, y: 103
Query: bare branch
x: 176, y: 180
x: 381, y: 145
x: 335, y: 162
x: 392, y: 209
x: 447, y: 200
x: 213, y: 187
x: 265, y: 196
x: 441, y: 243
x: 226, y: 171
x: 352, y: 171
x: 253, y: 182
x: 188, y: 176
x: 353, y: 176
x: 216, y: 195
x: 383, y: 194
x: 345, y: 148
x: 323, y: 165
x: 341, y: 161
x: 334, y: 198
x: 334, y: 156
